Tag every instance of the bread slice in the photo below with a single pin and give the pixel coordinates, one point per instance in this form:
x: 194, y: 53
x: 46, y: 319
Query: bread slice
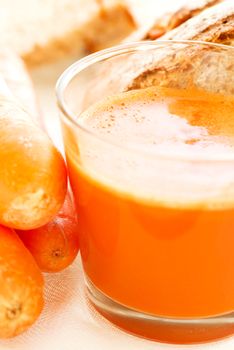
x: 173, y: 68
x: 44, y: 30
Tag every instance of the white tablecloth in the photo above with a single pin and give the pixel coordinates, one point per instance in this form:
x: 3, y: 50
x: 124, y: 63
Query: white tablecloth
x: 67, y: 322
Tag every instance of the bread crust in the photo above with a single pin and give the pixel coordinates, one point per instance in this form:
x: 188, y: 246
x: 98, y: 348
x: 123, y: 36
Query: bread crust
x: 167, y: 67
x: 110, y: 25
x: 215, y: 25
x: 173, y: 20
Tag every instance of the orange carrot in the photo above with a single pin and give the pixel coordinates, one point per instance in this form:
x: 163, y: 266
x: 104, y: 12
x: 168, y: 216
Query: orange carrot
x: 15, y: 74
x: 21, y: 286
x: 33, y: 177
x: 55, y: 245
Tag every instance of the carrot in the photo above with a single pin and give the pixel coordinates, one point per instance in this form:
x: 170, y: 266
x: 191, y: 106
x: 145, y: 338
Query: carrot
x: 14, y: 73
x: 33, y: 177
x: 21, y: 286
x: 55, y: 245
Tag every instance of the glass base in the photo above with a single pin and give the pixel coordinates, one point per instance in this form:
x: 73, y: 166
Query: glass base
x: 167, y: 330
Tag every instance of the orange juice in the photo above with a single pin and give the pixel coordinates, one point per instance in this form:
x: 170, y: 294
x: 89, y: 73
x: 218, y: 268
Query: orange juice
x: 158, y: 237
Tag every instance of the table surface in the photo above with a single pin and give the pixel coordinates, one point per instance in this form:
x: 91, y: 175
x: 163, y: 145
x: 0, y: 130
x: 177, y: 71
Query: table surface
x: 68, y: 323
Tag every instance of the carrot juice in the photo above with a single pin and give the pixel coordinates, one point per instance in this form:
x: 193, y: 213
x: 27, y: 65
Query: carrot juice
x: 155, y: 199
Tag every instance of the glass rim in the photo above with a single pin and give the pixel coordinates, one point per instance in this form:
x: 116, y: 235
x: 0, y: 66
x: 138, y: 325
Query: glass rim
x: 138, y: 46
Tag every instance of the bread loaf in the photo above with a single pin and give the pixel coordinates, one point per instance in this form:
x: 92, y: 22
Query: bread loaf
x: 43, y: 30
x: 214, y: 25
x: 173, y: 20
x: 178, y: 66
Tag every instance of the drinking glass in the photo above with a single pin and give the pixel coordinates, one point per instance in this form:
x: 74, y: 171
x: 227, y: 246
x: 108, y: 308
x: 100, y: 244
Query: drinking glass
x: 156, y: 262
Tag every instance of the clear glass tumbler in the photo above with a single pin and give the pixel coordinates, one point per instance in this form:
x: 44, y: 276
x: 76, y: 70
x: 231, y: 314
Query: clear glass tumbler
x: 156, y: 226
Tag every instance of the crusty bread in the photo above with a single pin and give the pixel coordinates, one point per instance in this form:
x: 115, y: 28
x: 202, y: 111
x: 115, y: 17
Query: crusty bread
x: 43, y: 30
x: 173, y: 68
x: 173, y: 20
x: 212, y: 25
x: 178, y: 66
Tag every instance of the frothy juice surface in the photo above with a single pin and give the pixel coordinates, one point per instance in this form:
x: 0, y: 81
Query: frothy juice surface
x: 157, y: 212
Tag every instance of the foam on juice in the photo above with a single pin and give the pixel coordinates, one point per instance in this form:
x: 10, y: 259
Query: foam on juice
x: 163, y: 145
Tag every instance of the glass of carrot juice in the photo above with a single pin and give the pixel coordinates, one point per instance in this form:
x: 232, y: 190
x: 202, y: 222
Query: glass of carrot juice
x: 149, y: 138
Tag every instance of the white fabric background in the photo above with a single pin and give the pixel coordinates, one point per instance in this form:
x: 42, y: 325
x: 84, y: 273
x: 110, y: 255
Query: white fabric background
x: 68, y: 323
